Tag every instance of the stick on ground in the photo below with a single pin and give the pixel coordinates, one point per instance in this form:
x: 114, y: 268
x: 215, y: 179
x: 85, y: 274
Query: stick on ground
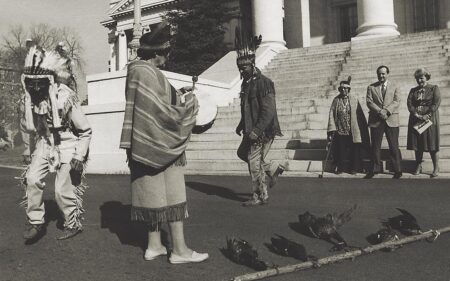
x: 340, y: 257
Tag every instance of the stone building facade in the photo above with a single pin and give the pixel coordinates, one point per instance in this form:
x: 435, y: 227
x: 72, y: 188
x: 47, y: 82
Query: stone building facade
x: 291, y: 23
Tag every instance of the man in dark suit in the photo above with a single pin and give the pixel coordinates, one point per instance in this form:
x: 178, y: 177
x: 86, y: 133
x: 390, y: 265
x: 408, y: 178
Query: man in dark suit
x: 383, y: 99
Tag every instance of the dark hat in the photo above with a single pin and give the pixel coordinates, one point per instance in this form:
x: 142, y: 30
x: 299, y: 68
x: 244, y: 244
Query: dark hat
x: 157, y: 39
x: 246, y: 47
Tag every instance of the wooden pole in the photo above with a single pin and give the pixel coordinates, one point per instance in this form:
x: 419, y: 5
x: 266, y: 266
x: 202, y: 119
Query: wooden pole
x: 340, y: 257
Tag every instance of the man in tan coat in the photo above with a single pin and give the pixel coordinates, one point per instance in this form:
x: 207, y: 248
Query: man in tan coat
x: 383, y: 100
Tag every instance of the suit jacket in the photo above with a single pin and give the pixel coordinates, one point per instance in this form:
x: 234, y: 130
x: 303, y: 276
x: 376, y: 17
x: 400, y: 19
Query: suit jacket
x: 375, y: 103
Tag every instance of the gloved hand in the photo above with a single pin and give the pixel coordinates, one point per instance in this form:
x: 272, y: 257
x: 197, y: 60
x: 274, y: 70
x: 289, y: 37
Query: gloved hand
x: 76, y: 165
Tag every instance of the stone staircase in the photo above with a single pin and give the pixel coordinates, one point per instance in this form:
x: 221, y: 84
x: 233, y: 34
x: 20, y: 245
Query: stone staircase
x: 306, y: 80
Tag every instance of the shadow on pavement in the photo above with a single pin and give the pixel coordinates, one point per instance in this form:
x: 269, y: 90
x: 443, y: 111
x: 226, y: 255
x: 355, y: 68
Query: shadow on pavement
x: 116, y: 217
x: 300, y: 228
x: 220, y: 191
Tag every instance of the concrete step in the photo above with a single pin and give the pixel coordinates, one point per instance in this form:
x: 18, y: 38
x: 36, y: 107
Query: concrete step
x: 441, y: 66
x: 406, y: 68
x: 307, y: 59
x: 292, y: 89
x: 322, y: 72
x: 298, y: 90
x: 301, y: 106
x: 293, y: 135
x: 299, y: 97
x: 318, y: 49
x: 321, y: 154
x: 303, y: 154
x: 299, y: 64
x: 403, y: 85
x: 322, y: 117
x: 240, y: 167
x: 411, y: 61
x: 303, y: 82
x: 401, y: 41
x: 404, y: 51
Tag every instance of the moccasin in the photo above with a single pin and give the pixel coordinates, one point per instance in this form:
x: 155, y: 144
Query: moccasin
x: 195, y: 257
x: 151, y: 254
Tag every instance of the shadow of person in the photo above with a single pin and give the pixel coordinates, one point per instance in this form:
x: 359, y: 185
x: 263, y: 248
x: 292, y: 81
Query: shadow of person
x: 300, y: 228
x: 216, y: 190
x: 52, y: 213
x: 117, y: 218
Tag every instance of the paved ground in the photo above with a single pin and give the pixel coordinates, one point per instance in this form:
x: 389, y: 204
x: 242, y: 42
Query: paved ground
x: 111, y: 247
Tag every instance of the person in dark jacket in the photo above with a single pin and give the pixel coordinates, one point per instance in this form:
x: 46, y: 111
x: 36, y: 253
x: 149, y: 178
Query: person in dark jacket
x: 259, y: 121
x: 423, y: 105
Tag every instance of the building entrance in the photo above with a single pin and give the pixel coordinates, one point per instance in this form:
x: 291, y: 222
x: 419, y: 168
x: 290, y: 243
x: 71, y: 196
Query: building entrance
x: 426, y: 15
x: 348, y: 20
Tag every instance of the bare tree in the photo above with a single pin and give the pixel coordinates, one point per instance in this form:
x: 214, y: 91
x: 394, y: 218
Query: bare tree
x: 45, y: 36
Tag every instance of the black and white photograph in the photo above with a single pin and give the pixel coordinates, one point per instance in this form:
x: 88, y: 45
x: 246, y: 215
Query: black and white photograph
x: 224, y: 140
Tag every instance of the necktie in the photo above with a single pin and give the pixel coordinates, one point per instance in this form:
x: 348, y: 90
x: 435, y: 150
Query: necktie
x: 383, y: 90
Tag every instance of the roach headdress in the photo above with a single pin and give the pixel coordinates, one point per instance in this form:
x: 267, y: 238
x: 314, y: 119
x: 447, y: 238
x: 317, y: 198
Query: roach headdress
x: 246, y: 47
x: 345, y: 83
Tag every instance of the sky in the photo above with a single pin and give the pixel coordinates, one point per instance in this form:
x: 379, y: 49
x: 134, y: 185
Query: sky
x: 84, y: 16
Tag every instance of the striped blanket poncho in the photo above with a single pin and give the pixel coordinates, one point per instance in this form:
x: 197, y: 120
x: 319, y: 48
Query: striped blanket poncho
x: 156, y: 126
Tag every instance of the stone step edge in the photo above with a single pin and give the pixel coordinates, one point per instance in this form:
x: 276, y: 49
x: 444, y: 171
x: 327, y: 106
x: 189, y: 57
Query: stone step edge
x: 295, y: 174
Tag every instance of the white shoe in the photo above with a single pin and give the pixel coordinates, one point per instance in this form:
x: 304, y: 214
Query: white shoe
x: 151, y: 254
x: 195, y: 257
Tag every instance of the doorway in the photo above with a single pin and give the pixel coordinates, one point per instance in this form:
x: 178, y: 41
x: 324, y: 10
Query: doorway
x: 348, y: 21
x: 426, y: 15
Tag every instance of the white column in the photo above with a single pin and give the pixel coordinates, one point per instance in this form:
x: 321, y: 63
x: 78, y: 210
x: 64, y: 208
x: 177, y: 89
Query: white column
x: 376, y: 18
x: 268, y: 22
x: 122, y: 51
x: 306, y: 29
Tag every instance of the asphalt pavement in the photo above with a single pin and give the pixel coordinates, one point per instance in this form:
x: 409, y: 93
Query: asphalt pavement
x: 111, y: 247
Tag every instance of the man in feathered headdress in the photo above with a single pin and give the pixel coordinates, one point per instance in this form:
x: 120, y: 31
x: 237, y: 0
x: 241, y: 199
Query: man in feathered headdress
x: 63, y: 134
x: 259, y: 120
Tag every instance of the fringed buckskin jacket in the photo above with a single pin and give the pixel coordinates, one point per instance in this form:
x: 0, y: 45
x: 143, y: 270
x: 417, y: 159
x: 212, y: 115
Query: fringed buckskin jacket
x: 258, y: 107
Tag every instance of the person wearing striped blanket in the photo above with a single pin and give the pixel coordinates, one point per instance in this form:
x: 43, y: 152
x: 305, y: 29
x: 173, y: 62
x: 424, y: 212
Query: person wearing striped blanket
x: 156, y: 130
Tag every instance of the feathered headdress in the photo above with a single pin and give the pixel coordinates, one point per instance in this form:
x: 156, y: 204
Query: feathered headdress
x: 246, y: 47
x: 40, y: 64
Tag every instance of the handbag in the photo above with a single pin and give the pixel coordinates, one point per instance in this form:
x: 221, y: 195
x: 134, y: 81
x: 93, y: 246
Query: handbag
x: 422, y: 126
